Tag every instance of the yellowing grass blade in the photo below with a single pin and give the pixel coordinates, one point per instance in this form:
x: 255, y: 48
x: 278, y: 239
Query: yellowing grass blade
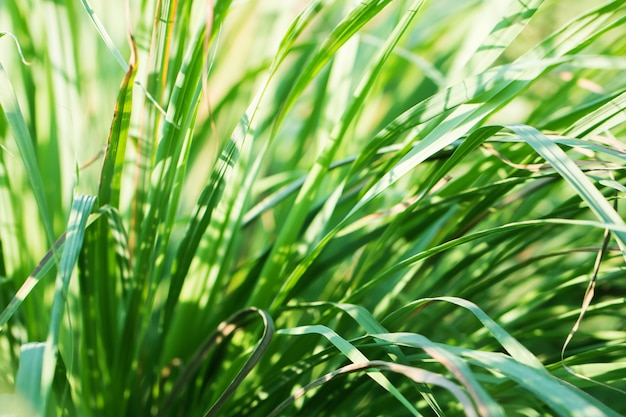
x: 111, y: 176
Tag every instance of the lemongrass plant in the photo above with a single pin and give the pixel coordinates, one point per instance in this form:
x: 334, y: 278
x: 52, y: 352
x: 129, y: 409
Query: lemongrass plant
x: 328, y: 208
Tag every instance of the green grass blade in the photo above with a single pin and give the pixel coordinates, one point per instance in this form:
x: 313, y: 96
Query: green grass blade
x: 562, y: 398
x: 44, y: 265
x: 17, y: 45
x: 352, y: 353
x: 24, y: 141
x: 513, y: 18
x: 455, y: 364
x: 39, y: 360
x: 280, y: 252
x: 104, y: 304
x: 332, y: 162
x: 104, y: 35
x: 110, y: 44
x: 81, y: 209
x: 606, y: 117
x: 490, y: 91
x: 574, y: 176
x: 507, y: 228
x: 175, y: 141
x: 354, y: 21
x: 417, y: 375
x: 209, y: 199
x: 512, y: 346
x: 367, y: 322
x: 223, y: 332
x: 31, y: 281
x: 28, y: 390
x: 115, y: 155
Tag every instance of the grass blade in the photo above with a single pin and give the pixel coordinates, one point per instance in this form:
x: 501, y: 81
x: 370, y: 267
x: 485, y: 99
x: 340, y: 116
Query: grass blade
x: 417, y: 375
x: 573, y: 175
x: 352, y: 353
x: 115, y: 155
x: 21, y: 134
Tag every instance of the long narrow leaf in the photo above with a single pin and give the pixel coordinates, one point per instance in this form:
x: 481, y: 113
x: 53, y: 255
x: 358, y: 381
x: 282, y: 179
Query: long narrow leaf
x: 352, y: 353
x: 24, y: 141
x: 115, y: 154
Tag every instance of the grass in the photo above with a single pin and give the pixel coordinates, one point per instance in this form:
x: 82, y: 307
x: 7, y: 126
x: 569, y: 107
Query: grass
x: 312, y: 208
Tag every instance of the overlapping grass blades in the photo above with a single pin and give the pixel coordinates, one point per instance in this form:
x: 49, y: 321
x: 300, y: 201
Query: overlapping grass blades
x: 417, y: 375
x: 412, y: 195
x: 24, y: 141
x: 39, y: 359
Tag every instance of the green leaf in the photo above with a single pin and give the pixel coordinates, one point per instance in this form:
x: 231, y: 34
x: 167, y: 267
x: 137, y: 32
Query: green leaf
x: 115, y: 155
x: 352, y: 353
x: 24, y: 141
x: 575, y: 177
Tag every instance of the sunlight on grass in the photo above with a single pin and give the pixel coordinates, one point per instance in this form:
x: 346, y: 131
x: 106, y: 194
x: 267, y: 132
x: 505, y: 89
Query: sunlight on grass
x: 312, y: 207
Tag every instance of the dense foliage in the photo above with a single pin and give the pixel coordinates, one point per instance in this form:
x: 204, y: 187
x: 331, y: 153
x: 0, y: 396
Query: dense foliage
x: 328, y: 208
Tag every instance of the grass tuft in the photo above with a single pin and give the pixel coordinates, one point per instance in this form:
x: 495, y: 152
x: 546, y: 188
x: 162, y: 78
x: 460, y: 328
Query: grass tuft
x: 312, y: 208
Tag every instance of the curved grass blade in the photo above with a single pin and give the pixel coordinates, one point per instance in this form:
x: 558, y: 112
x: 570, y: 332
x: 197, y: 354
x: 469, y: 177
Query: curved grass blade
x: 293, y: 186
x: 498, y: 85
x: 300, y: 23
x: 266, y: 338
x: 223, y: 332
x: 105, y: 35
x: 17, y: 45
x: 564, y: 399
x: 456, y: 111
x: 507, y: 228
x: 367, y: 322
x: 466, y: 146
x: 457, y: 366
x: 508, y: 342
x: 352, y: 353
x: 556, y: 157
x: 416, y: 374
x: 401, y: 265
x: 583, y: 144
x: 586, y: 303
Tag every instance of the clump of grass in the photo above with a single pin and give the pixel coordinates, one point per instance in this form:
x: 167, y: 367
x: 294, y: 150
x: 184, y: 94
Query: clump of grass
x: 324, y: 208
